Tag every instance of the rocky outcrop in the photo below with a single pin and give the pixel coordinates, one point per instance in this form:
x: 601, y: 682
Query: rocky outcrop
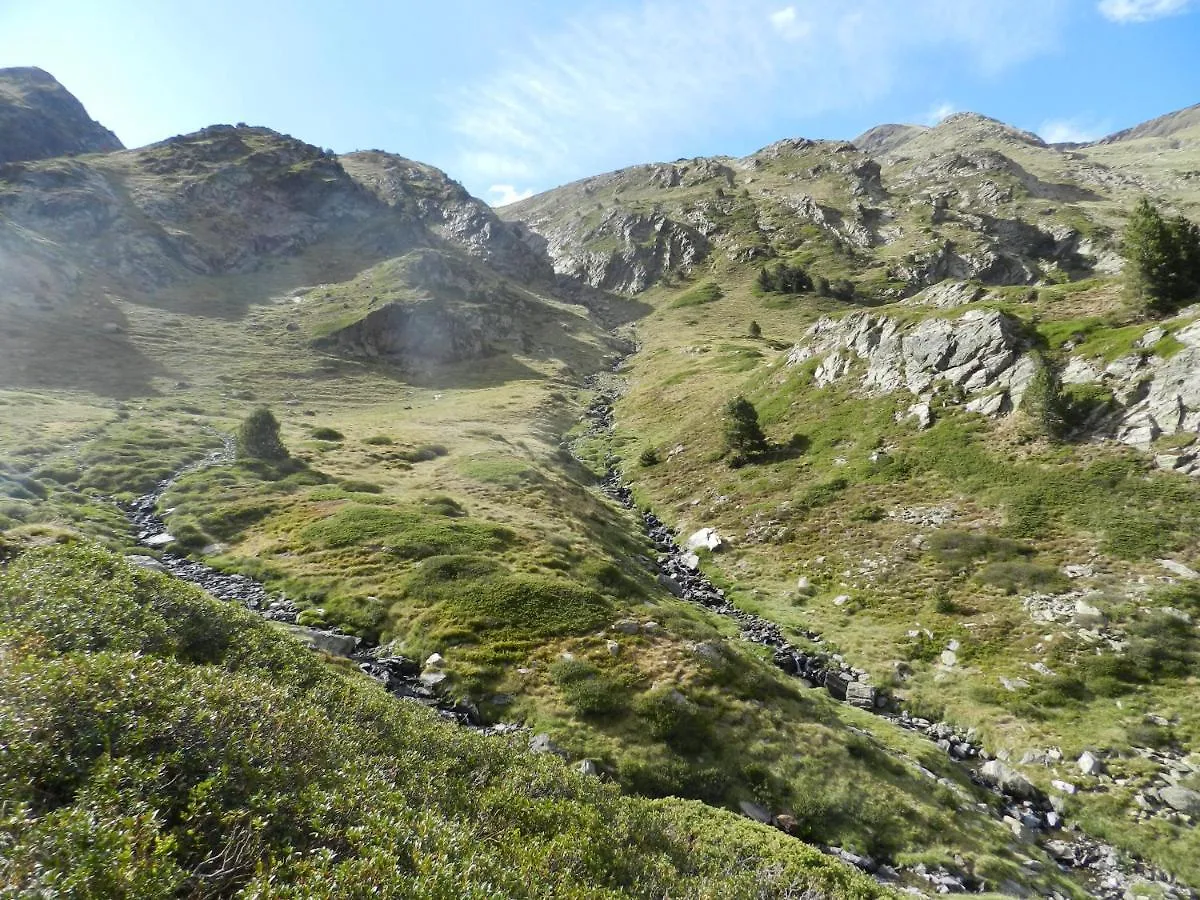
x: 444, y: 205
x: 414, y: 335
x: 221, y: 201
x: 982, y: 354
x: 1154, y: 395
x: 624, y: 251
x: 41, y: 119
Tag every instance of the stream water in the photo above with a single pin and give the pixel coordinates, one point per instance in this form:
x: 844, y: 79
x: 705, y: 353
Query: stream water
x: 1109, y: 874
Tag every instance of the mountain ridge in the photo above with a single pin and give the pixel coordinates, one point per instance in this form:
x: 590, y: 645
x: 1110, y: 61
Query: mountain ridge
x: 40, y: 119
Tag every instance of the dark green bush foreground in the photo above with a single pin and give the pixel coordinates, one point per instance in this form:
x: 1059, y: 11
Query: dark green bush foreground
x: 156, y: 743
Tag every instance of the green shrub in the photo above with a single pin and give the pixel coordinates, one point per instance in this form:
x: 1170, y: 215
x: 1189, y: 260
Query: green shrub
x: 258, y: 436
x: 1014, y: 575
x: 325, y: 433
x: 673, y: 718
x: 378, y: 440
x: 360, y: 487
x: 648, y: 457
x: 160, y: 743
x: 587, y: 690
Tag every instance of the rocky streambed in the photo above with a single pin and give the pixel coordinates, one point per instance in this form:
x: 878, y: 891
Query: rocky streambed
x: 403, y: 677
x: 1026, y: 811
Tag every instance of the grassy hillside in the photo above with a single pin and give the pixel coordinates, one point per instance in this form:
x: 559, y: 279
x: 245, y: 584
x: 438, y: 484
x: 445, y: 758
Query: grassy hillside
x: 1001, y: 572
x: 157, y: 742
x: 959, y: 536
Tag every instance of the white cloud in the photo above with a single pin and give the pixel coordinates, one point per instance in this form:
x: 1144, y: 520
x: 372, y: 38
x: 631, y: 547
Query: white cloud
x: 938, y: 112
x: 1070, y: 131
x: 656, y: 80
x: 1126, y: 11
x: 504, y: 194
x: 789, y: 25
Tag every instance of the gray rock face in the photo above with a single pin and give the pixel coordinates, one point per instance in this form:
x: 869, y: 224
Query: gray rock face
x: 982, y: 352
x: 1007, y: 779
x: 40, y: 119
x: 860, y: 695
x: 445, y: 206
x: 625, y: 252
x: 1181, y: 799
x: 326, y: 642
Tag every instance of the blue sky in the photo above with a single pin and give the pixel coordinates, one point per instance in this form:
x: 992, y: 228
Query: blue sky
x: 513, y: 96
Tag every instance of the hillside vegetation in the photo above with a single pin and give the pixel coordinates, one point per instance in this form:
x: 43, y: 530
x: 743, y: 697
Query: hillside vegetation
x: 158, y: 742
x: 906, y: 391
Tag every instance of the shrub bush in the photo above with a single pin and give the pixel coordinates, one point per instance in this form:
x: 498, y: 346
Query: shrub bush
x: 258, y: 436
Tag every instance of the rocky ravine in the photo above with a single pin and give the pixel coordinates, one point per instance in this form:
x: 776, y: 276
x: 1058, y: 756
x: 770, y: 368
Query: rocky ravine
x: 1029, y: 813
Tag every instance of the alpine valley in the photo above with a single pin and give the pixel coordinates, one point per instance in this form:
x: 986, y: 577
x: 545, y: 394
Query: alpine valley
x: 360, y: 540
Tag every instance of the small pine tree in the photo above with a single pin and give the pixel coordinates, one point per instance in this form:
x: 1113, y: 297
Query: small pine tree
x: 1042, y: 402
x: 258, y: 436
x: 743, y: 434
x: 842, y: 289
x: 820, y: 285
x: 755, y: 329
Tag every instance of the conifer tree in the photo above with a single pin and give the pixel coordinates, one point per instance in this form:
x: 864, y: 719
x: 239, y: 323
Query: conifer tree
x: 1163, y: 258
x: 258, y: 436
x: 743, y: 435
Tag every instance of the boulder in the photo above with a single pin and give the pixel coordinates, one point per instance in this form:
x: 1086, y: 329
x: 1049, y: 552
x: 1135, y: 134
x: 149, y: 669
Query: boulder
x: 626, y: 626
x: 754, y: 811
x: 325, y: 641
x: 1090, y: 764
x: 541, y: 743
x: 705, y: 538
x: 836, y: 684
x: 145, y: 562
x: 1175, y: 568
x: 1087, y: 615
x: 860, y: 695
x: 1007, y: 779
x: 435, y: 661
x: 588, y: 767
x: 1181, y: 799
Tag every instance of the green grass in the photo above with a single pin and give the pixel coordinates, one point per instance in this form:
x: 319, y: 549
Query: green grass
x: 707, y: 292
x: 163, y: 743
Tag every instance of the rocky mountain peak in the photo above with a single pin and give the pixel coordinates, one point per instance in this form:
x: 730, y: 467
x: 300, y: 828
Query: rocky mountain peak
x: 966, y: 126
x: 41, y: 119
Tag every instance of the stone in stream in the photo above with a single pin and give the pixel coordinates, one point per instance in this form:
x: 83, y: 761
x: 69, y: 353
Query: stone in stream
x: 342, y: 645
x: 145, y: 562
x: 706, y: 538
x: 836, y: 683
x: 1007, y: 779
x: 860, y: 695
